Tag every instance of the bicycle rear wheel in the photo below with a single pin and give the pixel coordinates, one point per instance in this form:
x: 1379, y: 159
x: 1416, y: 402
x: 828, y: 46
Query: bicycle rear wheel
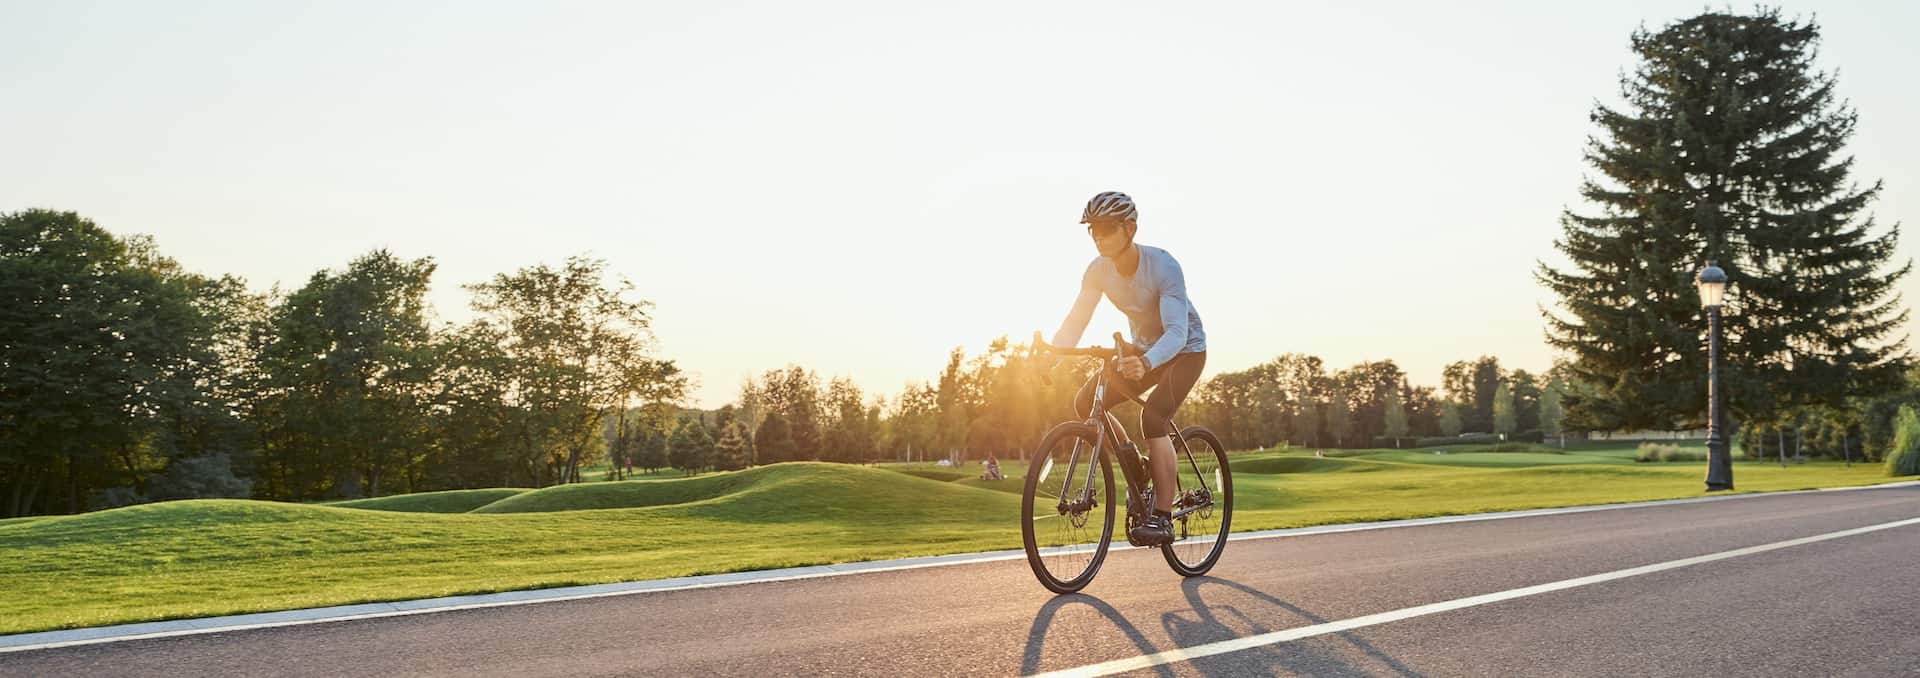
x: 1205, y: 486
x: 1067, y: 509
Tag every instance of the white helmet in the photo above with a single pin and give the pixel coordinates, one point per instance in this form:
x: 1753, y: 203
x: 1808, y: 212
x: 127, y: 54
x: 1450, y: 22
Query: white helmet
x: 1110, y: 205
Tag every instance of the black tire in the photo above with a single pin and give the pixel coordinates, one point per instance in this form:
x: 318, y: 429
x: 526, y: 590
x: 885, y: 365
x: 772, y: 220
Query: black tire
x: 1200, y: 536
x: 1043, y: 524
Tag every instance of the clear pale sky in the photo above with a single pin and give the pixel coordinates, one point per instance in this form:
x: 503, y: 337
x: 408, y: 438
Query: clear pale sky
x: 858, y: 188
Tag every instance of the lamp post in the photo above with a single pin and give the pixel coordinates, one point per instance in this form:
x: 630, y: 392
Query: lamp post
x: 1713, y: 290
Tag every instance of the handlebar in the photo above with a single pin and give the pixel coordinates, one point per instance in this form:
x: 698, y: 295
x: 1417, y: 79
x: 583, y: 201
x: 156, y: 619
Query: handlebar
x: 1120, y: 348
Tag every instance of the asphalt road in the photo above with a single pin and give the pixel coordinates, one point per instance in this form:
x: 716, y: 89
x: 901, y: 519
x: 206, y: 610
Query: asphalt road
x: 1843, y: 606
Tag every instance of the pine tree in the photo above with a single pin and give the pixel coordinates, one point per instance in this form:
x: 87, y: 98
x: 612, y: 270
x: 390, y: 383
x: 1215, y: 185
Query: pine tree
x: 1728, y: 150
x: 730, y: 454
x: 701, y: 455
x: 773, y: 443
x: 691, y: 447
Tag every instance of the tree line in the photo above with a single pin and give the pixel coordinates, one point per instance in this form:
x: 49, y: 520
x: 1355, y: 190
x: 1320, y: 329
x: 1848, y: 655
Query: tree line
x: 124, y: 378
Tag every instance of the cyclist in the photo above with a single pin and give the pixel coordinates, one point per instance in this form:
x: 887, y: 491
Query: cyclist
x: 1147, y: 285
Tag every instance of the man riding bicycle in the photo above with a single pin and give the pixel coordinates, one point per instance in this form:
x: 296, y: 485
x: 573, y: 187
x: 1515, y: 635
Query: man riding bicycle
x: 1147, y: 285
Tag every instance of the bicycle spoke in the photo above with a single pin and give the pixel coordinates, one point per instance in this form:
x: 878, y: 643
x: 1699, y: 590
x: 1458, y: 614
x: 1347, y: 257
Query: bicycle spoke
x: 1069, y: 511
x: 1203, y: 502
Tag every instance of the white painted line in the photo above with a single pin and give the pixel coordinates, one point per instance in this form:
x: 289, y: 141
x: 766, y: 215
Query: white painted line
x: 320, y: 615
x: 1264, y: 639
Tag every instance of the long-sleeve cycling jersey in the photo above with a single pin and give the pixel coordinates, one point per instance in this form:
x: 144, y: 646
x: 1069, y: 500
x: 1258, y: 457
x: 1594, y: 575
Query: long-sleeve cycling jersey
x: 1162, y: 318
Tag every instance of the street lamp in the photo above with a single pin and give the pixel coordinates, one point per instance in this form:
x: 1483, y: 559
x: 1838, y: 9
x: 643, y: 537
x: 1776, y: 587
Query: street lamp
x: 1713, y: 291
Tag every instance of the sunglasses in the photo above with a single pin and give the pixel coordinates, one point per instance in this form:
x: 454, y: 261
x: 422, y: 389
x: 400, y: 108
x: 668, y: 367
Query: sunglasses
x: 1104, y: 227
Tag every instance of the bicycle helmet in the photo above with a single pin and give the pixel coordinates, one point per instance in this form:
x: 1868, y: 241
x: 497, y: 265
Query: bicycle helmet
x: 1109, y: 205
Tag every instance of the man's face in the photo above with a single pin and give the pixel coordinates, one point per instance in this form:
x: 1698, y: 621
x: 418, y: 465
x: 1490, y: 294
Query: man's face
x: 1109, y: 235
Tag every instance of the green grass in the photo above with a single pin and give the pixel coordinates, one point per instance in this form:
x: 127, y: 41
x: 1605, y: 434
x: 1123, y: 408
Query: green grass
x: 17, y: 521
x: 659, y: 491
x: 213, y: 557
x: 1489, y: 459
x: 451, y: 501
x: 1302, y: 464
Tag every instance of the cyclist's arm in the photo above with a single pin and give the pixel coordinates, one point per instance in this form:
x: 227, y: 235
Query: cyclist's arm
x: 1173, y: 317
x: 1081, y: 314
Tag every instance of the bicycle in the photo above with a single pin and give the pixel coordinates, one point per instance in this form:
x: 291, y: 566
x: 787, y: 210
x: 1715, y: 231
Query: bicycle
x: 1203, y: 483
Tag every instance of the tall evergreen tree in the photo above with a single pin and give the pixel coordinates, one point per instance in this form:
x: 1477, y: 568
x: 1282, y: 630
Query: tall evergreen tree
x: 1728, y: 149
x: 730, y: 453
x: 773, y: 443
x: 691, y: 447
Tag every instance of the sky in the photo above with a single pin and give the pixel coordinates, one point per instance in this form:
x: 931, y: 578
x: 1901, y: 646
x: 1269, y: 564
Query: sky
x: 858, y: 188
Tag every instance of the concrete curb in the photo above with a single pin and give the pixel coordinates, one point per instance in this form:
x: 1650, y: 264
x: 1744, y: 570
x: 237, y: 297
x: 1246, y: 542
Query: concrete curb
x: 185, y: 627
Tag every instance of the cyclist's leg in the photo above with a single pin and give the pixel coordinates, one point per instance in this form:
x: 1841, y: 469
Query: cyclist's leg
x: 1118, y: 388
x: 1175, y: 381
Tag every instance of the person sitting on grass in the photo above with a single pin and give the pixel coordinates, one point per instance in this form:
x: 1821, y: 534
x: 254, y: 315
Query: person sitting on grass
x: 992, y: 470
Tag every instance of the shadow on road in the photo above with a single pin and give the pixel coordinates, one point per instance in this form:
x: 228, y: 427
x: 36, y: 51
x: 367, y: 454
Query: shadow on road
x: 1213, y: 622
x: 1295, y: 658
x: 1043, y: 620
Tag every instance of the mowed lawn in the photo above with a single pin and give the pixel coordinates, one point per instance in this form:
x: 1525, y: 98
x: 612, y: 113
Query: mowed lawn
x: 213, y: 557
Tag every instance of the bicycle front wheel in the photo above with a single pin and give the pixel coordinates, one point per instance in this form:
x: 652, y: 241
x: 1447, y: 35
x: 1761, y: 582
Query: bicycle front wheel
x: 1203, y: 506
x: 1067, y: 508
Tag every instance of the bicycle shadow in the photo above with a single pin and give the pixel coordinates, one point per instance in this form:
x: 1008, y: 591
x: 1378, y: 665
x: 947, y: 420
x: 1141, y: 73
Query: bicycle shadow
x: 1043, y: 620
x: 1283, y: 657
x: 1207, y: 626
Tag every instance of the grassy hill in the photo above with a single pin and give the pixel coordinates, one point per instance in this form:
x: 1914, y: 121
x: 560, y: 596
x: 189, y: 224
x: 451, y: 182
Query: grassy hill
x: 649, y: 492
x: 211, y: 557
x: 450, y: 501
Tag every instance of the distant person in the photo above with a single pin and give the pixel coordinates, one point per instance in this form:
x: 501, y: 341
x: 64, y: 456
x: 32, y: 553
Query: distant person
x: 992, y: 470
x: 1147, y: 285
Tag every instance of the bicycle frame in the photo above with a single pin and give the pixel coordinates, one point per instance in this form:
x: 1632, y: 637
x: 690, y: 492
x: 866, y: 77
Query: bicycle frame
x: 1108, y: 432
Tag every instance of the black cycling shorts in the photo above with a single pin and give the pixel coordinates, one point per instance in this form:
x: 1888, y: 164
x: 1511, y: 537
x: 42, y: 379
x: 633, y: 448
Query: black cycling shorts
x: 1170, y: 383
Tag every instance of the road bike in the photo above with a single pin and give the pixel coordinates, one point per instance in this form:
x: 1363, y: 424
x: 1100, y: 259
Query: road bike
x: 1067, y: 506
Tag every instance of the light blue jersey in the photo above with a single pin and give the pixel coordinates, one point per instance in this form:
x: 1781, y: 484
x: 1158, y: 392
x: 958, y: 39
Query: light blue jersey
x: 1163, y: 320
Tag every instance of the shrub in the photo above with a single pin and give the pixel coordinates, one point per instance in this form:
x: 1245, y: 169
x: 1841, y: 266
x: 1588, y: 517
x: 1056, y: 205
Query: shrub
x: 1904, y: 458
x: 114, y: 497
x: 1659, y: 452
x: 207, y: 477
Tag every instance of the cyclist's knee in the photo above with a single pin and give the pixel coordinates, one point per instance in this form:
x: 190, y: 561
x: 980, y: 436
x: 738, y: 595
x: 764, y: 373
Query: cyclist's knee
x: 1153, y: 423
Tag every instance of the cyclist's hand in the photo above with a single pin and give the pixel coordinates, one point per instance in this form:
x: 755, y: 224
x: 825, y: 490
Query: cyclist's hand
x: 1132, y: 367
